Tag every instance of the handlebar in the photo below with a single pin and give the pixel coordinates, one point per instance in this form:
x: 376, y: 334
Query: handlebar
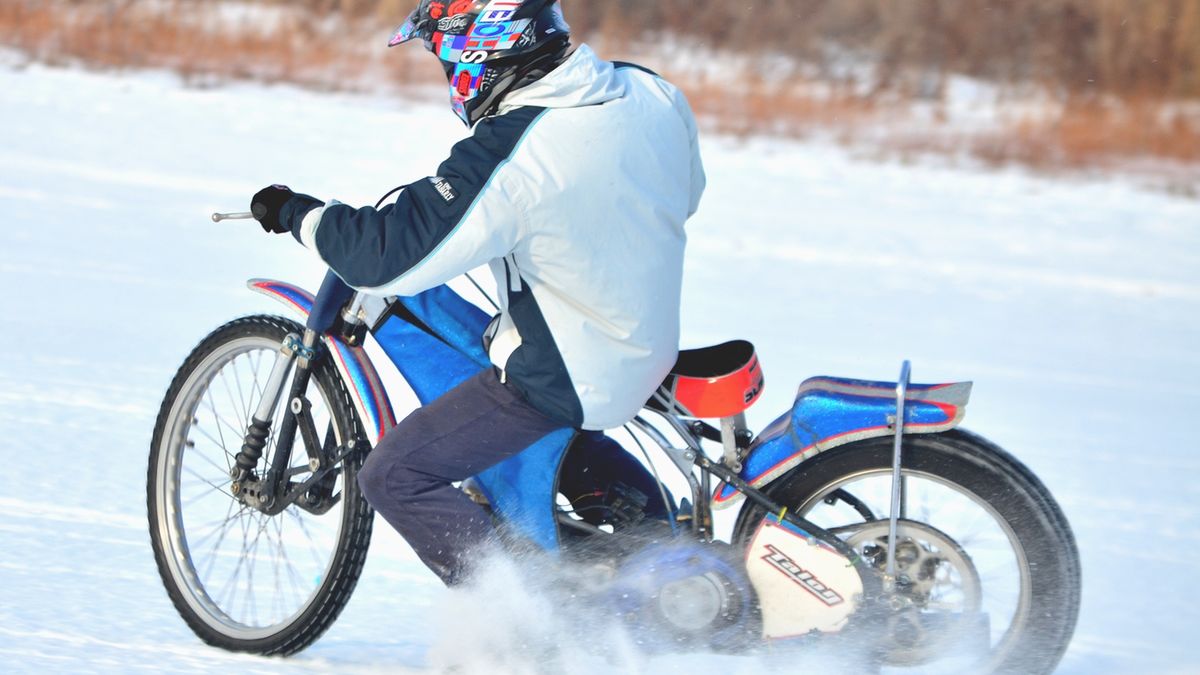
x: 244, y: 215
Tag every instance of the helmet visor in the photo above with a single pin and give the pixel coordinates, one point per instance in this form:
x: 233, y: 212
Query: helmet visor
x: 410, y: 29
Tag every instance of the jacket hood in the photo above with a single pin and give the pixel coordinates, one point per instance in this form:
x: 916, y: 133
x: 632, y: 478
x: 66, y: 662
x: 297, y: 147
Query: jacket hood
x: 583, y: 79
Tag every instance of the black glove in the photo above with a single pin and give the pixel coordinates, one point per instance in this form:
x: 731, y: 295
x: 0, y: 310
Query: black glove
x: 266, y: 206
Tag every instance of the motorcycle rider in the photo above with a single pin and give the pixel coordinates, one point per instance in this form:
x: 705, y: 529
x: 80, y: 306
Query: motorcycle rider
x: 574, y: 187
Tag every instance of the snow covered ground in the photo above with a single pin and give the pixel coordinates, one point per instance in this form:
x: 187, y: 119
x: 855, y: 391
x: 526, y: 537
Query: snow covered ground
x: 1073, y: 304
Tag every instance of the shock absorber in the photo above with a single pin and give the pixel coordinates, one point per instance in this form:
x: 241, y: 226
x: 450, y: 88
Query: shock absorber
x: 252, y: 449
x: 255, y: 441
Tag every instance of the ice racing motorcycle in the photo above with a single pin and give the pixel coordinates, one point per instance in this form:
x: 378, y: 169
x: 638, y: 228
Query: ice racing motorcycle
x: 864, y: 513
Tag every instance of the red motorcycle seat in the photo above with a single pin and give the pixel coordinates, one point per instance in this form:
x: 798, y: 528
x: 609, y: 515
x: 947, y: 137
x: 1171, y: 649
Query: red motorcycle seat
x: 711, y: 382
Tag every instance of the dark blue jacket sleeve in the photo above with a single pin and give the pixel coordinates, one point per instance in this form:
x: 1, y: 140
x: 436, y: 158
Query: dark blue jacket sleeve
x: 371, y: 248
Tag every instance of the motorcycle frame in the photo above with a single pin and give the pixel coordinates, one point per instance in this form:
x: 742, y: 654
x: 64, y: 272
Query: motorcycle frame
x: 338, y: 317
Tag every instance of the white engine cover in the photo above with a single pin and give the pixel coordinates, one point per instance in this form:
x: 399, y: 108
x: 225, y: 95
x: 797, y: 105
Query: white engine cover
x: 803, y: 584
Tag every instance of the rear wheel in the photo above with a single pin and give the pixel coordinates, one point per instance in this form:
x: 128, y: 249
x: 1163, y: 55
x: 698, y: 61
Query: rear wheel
x: 241, y: 579
x: 989, y: 576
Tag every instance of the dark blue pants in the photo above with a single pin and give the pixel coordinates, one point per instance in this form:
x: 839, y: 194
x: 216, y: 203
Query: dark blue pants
x: 408, y: 477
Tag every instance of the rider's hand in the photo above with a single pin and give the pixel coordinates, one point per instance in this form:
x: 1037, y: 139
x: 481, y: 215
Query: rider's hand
x: 280, y: 210
x: 266, y: 206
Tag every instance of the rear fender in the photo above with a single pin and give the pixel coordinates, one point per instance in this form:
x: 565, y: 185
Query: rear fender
x: 830, y: 412
x: 357, y: 371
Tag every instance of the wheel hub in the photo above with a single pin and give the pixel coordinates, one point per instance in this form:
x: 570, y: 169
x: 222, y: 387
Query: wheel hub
x: 936, y: 599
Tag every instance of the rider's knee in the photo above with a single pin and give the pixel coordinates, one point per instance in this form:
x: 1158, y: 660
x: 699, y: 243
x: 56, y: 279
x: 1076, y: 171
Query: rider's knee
x: 372, y: 478
x: 384, y: 479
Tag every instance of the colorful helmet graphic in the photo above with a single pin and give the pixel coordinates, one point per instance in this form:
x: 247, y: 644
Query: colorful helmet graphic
x: 485, y: 46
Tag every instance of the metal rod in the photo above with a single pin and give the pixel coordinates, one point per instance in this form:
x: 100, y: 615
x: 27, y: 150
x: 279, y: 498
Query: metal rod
x: 679, y: 457
x: 680, y: 428
x: 355, y: 307
x: 684, y: 460
x: 730, y: 426
x: 894, y: 515
x: 274, y: 389
x: 672, y: 510
x: 781, y: 513
x: 244, y: 215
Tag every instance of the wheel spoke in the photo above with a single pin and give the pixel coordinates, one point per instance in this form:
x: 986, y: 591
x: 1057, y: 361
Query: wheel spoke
x: 228, y: 455
x: 277, y: 545
x: 292, y: 573
x: 213, y: 409
x: 307, y: 534
x: 219, y: 525
x: 241, y: 394
x: 264, y: 522
x: 236, y: 431
x: 224, y: 471
x: 207, y: 492
x: 212, y: 554
x: 256, y: 391
x: 208, y: 482
x: 242, y: 422
x: 230, y: 583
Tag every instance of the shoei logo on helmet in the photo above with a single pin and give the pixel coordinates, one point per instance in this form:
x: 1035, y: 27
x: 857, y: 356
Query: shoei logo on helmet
x: 494, y: 30
x: 499, y: 10
x: 496, y: 36
x: 468, y: 35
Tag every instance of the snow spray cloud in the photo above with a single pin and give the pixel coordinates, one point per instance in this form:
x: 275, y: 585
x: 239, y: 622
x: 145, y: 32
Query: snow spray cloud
x: 518, y: 618
x: 523, y: 614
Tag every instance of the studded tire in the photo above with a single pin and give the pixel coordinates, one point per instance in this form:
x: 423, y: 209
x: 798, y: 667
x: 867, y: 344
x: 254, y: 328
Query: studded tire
x: 1031, y: 522
x: 251, y: 342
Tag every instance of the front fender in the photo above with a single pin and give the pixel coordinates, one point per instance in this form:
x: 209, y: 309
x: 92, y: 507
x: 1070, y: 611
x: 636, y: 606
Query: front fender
x: 831, y: 411
x: 366, y: 388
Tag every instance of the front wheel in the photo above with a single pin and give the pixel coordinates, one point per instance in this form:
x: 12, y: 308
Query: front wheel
x: 987, y: 567
x: 243, y: 579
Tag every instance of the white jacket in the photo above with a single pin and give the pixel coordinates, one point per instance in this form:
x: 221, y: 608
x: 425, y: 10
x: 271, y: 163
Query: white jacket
x: 576, y: 193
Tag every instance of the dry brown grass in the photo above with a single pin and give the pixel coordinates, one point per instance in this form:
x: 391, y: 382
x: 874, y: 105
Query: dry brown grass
x: 295, y: 46
x: 759, y: 108
x: 1149, y: 47
x: 337, y: 44
x: 1081, y: 133
x: 1085, y: 134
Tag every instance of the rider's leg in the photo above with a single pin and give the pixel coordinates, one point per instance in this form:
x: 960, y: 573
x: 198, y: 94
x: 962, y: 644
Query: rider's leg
x: 408, y: 477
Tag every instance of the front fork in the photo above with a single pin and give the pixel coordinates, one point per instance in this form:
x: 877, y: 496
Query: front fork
x: 263, y: 492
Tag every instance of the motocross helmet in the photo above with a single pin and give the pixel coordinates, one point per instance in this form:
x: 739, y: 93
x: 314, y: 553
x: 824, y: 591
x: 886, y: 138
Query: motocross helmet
x: 487, y: 47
